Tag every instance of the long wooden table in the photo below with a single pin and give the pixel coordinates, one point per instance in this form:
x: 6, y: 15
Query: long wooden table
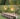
x: 9, y: 15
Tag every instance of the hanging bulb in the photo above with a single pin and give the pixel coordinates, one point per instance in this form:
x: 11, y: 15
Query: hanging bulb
x: 5, y: 8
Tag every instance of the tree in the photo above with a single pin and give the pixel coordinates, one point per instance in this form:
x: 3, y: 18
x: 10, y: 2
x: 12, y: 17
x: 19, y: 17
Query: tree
x: 18, y: 10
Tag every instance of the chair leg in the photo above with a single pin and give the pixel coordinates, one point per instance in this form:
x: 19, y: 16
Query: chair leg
x: 14, y: 17
x: 8, y: 18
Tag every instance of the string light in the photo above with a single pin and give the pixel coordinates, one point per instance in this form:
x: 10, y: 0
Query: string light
x: 11, y: 9
x: 5, y: 8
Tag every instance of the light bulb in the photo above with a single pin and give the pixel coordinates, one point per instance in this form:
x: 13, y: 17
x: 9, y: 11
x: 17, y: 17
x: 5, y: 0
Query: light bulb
x: 11, y: 9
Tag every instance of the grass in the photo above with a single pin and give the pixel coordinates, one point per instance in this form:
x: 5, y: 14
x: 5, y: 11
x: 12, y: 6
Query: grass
x: 1, y: 17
